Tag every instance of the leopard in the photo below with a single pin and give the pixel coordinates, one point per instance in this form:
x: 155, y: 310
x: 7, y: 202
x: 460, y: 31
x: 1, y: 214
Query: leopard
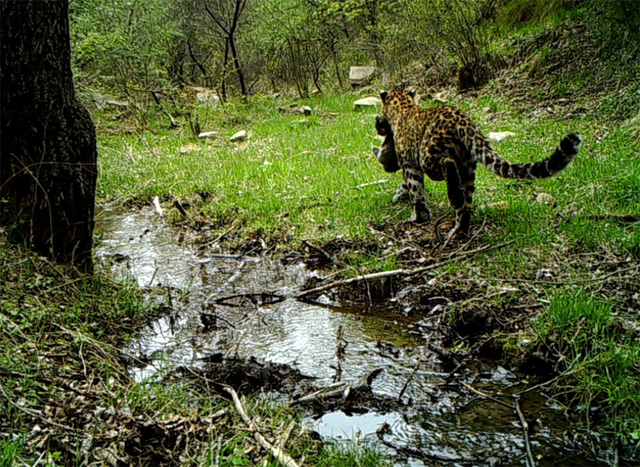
x: 446, y: 144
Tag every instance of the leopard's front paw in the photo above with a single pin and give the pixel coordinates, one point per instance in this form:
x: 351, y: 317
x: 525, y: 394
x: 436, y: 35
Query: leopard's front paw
x: 402, y: 194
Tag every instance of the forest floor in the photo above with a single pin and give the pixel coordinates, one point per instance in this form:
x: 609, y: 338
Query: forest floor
x: 547, y: 282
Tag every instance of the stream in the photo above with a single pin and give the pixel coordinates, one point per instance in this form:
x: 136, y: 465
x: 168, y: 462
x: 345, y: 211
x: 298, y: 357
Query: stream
x: 238, y: 305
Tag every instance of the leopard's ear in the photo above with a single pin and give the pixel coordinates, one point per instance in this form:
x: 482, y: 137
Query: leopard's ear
x: 412, y: 92
x: 383, y: 95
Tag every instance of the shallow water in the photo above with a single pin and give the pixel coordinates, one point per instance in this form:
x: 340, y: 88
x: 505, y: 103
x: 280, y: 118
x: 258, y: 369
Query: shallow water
x: 441, y: 424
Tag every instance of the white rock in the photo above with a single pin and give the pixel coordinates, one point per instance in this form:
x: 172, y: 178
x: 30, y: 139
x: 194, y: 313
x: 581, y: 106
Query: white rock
x: 209, y: 134
x: 239, y: 136
x: 366, y: 102
x: 500, y: 135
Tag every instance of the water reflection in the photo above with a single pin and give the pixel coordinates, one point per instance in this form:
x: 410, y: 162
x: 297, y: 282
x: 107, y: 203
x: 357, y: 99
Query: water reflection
x: 442, y: 421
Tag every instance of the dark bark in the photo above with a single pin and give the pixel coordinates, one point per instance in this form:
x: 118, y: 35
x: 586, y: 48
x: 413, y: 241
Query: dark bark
x: 48, y: 158
x: 223, y: 79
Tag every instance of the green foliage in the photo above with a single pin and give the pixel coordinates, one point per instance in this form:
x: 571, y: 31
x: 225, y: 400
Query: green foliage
x: 9, y: 452
x: 117, y: 44
x: 599, y: 359
x: 304, y: 45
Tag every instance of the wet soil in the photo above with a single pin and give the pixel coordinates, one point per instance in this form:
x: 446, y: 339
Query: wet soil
x: 364, y: 367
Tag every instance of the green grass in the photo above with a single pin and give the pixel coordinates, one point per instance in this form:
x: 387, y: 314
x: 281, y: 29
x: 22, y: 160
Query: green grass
x: 300, y: 181
x: 602, y: 359
x: 286, y: 174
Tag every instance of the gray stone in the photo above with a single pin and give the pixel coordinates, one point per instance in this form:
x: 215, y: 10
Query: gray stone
x: 361, y: 75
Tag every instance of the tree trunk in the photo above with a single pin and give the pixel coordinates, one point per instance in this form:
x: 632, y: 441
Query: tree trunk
x: 225, y: 65
x: 48, y: 156
x: 236, y: 64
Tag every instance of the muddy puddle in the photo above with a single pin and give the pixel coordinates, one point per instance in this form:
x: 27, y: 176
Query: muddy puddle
x: 225, y: 306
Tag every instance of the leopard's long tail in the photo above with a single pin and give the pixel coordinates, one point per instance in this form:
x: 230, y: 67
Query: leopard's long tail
x: 561, y: 158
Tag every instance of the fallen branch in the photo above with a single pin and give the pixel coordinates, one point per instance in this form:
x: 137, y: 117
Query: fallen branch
x: 399, y: 272
x: 318, y: 393
x: 278, y: 453
x: 283, y: 440
x: 251, y: 259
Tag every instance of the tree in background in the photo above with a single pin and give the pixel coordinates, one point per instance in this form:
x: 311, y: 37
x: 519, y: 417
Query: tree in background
x: 250, y: 46
x: 48, y: 156
x: 226, y: 14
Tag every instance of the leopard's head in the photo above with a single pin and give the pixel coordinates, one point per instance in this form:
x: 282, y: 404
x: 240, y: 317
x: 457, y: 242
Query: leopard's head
x: 396, y: 102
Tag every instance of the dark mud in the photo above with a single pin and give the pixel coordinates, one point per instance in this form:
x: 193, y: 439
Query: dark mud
x: 366, y: 365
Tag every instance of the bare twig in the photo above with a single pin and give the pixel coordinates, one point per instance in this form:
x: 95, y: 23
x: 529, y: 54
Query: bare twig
x: 251, y: 259
x: 378, y: 182
x: 174, y: 123
x: 283, y: 441
x: 178, y: 205
x: 146, y: 144
x: 516, y: 407
x: 525, y: 430
x: 277, y: 452
x: 33, y: 413
x: 406, y: 384
x: 234, y: 226
x: 486, y: 396
x: 318, y: 393
x: 399, y: 272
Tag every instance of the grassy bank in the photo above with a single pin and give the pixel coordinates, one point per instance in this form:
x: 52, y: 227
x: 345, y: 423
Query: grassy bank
x: 316, y: 177
x: 66, y: 397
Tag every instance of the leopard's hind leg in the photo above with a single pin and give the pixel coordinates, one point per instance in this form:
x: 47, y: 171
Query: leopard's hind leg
x: 460, y: 187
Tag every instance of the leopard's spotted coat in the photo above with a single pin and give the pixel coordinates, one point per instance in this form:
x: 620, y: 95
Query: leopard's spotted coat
x: 446, y: 144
